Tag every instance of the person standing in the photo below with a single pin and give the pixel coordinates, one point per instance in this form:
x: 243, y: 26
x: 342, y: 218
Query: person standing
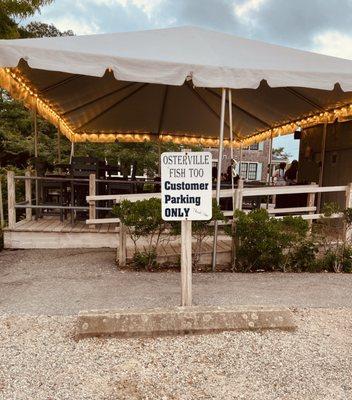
x: 291, y: 174
x: 279, y: 175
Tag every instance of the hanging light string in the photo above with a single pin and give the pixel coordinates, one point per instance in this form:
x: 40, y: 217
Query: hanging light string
x: 12, y: 81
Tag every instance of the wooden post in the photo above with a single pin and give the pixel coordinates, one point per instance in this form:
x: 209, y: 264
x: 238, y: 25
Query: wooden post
x: 348, y: 229
x: 237, y: 201
x: 186, y: 263
x: 28, y: 194
x: 2, y: 220
x: 310, y: 203
x: 92, y: 209
x: 122, y: 250
x: 238, y: 195
x: 11, y: 199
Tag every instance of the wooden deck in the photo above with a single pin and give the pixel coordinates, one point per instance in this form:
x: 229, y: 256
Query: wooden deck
x: 50, y: 233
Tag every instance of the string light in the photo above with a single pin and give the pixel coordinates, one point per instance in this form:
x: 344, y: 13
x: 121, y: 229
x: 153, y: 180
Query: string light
x: 12, y: 81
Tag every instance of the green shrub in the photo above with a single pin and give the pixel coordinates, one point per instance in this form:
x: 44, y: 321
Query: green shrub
x: 302, y: 258
x: 266, y: 243
x: 145, y: 259
x: 336, y: 259
x: 143, y: 219
x: 330, y: 208
x: 200, y: 231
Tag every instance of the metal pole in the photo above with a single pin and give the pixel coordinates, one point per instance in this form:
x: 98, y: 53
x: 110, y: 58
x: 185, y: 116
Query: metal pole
x: 35, y: 125
x: 218, y: 179
x: 231, y: 146
x: 321, y: 174
x: 58, y: 146
x: 159, y: 157
x: 269, y: 174
x: 2, y: 220
x: 72, y: 154
x: 270, y: 159
x: 240, y: 166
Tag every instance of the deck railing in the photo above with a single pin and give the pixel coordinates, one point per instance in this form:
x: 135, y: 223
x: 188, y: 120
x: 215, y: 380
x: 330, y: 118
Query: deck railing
x: 308, y: 212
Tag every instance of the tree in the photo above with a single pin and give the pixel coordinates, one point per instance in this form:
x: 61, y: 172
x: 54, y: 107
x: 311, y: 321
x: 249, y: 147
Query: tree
x: 16, y: 135
x: 40, y: 29
x: 280, y: 153
x: 10, y: 10
x: 16, y: 130
x: 16, y: 122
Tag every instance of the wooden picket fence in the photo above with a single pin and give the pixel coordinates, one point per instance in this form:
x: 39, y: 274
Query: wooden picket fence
x: 309, y: 212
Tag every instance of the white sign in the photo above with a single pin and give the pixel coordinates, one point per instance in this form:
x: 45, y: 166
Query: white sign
x: 186, y: 186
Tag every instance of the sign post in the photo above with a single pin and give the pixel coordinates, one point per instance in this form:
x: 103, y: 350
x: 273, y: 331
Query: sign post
x: 186, y: 196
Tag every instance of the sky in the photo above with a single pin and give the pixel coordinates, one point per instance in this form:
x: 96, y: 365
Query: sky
x: 323, y: 26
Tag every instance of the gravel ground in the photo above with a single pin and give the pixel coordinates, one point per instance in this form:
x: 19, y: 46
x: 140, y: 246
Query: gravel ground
x: 40, y: 292
x: 64, y: 282
x: 40, y: 360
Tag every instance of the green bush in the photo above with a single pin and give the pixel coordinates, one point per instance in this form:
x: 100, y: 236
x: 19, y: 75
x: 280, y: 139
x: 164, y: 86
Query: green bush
x: 330, y: 208
x: 302, y: 258
x: 143, y: 219
x: 145, y: 259
x: 336, y: 259
x: 266, y: 243
x: 200, y: 231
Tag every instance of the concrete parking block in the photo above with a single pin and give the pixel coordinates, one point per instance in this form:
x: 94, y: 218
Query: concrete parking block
x: 181, y: 320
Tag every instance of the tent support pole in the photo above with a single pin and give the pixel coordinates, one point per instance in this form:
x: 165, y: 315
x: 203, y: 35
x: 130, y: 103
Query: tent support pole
x: 231, y: 145
x: 218, y: 179
x: 58, y: 146
x: 159, y: 157
x: 270, y: 159
x: 160, y: 125
x: 241, y: 156
x: 35, y: 125
x: 321, y: 174
x: 269, y: 173
x: 72, y: 154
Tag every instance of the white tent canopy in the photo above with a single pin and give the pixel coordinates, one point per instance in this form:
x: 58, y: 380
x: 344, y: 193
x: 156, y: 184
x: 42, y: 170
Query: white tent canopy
x: 165, y: 83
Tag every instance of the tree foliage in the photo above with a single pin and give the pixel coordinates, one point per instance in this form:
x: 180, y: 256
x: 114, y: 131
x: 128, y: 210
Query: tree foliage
x: 16, y: 122
x: 280, y: 153
x: 12, y: 10
x: 40, y: 29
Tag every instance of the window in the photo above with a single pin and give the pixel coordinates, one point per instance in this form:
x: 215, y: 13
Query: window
x: 254, y: 146
x: 252, y: 171
x: 249, y: 171
x: 244, y: 167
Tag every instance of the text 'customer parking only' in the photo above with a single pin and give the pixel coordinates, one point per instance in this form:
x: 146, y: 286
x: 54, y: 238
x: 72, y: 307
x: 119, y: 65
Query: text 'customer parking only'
x: 186, y: 190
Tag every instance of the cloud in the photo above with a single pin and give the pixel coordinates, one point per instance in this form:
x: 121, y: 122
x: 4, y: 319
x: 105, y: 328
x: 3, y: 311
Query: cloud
x: 334, y: 43
x: 321, y: 25
x: 242, y: 10
x: 298, y: 22
x: 77, y: 25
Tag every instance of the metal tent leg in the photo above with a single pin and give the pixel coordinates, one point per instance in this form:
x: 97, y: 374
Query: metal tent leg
x: 218, y: 179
